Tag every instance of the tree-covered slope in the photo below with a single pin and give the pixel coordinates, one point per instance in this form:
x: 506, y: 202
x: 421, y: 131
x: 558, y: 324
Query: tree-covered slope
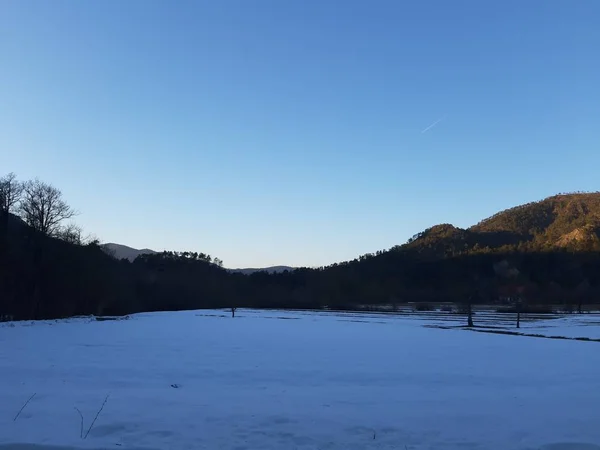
x: 554, y: 221
x: 565, y: 221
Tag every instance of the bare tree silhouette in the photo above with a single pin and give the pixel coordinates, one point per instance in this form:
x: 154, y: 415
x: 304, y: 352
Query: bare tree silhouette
x: 43, y: 208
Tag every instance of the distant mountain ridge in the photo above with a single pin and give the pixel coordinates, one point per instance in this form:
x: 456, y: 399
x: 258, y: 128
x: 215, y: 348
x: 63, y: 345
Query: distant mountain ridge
x: 561, y: 222
x: 271, y: 269
x: 120, y: 251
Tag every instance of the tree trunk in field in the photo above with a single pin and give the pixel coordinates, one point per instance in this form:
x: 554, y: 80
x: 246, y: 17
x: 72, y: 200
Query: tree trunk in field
x: 470, y: 313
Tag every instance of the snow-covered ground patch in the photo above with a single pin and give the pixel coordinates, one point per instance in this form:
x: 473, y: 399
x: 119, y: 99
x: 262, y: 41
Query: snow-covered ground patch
x: 571, y: 326
x: 302, y: 380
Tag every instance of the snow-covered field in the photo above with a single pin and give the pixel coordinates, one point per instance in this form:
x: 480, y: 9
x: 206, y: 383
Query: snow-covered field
x: 275, y: 380
x: 571, y: 326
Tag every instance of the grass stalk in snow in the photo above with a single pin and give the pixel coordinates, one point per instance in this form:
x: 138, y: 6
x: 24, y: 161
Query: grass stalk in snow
x: 96, y: 418
x: 23, y: 407
x: 81, y: 426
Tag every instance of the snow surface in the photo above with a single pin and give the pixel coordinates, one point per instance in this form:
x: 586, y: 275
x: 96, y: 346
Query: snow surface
x: 573, y: 326
x: 281, y: 380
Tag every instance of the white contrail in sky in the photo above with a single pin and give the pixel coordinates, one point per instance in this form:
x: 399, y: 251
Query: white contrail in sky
x: 432, y: 125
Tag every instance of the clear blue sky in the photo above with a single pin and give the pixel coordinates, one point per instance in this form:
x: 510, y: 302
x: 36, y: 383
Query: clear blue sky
x: 290, y: 132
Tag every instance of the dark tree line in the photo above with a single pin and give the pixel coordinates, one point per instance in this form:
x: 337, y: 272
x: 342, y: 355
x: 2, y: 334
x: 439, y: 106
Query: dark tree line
x: 48, y: 270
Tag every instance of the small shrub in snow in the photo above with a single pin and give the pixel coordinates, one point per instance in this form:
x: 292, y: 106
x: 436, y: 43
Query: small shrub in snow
x: 532, y: 309
x: 422, y: 307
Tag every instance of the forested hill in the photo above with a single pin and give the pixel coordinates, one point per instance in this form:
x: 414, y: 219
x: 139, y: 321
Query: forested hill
x: 556, y: 221
x: 547, y: 251
x: 566, y: 221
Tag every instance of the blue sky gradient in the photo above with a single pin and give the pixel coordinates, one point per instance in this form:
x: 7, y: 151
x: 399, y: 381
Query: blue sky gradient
x: 290, y: 132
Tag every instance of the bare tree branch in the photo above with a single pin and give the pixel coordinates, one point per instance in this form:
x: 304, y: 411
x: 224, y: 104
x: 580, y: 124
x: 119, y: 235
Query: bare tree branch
x: 91, y: 239
x: 43, y: 208
x: 10, y: 192
x: 72, y: 233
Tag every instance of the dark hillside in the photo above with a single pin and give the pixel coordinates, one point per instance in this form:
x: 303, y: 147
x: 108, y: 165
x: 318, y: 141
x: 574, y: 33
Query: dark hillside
x: 47, y: 277
x: 546, y: 252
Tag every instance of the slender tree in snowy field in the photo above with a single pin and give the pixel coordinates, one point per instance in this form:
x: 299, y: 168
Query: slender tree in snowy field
x: 519, y: 302
x: 467, y: 292
x: 472, y: 297
x: 470, y: 311
x: 581, y: 292
x: 43, y: 208
x: 515, y: 289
